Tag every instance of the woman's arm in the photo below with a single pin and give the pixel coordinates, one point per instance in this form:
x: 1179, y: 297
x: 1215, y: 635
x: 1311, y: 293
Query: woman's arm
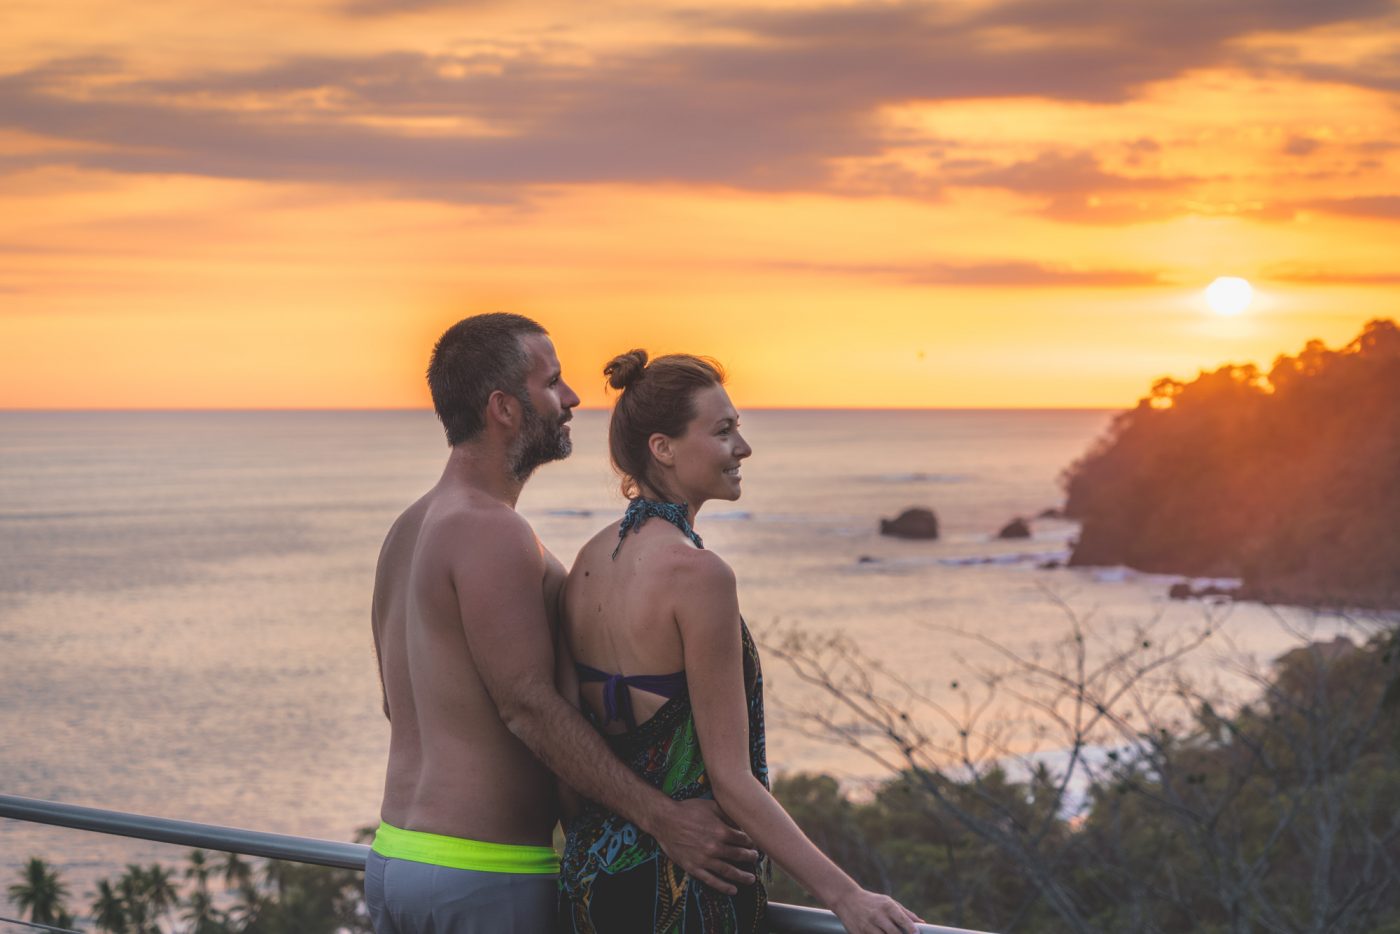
x: 708, y: 617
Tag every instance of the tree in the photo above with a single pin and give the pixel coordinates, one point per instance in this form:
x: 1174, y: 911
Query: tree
x: 1284, y: 479
x: 147, y: 893
x: 199, y: 870
x: 40, y: 893
x: 201, y: 914
x: 236, y: 871
x: 1090, y: 786
x: 271, y: 897
x: 109, y: 909
x: 131, y: 889
x: 160, y: 889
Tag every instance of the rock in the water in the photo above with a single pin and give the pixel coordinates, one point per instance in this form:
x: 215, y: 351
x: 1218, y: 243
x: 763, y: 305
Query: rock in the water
x: 911, y: 523
x: 1051, y: 513
x: 1016, y: 528
x: 1180, y: 591
x: 867, y: 559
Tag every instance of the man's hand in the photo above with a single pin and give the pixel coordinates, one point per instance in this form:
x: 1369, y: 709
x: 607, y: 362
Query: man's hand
x: 697, y: 837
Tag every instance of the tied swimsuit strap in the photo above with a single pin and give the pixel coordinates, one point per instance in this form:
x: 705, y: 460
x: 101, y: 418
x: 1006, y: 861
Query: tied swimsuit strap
x: 641, y: 509
x: 617, y: 700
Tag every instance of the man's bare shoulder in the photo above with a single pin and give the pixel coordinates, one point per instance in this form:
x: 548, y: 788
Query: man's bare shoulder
x: 482, y: 545
x: 407, y: 523
x: 471, y: 523
x: 396, y: 553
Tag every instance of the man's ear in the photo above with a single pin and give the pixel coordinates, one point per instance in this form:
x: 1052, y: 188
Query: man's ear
x: 503, y: 408
x: 661, y: 449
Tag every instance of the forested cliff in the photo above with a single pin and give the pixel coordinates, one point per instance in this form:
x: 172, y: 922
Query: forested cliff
x: 1289, y: 479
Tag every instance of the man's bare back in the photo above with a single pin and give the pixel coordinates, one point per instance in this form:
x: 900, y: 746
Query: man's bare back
x: 454, y: 766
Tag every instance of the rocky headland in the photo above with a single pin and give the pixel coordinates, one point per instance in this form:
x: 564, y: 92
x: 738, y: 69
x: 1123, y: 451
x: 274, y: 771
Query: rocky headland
x: 1287, y: 479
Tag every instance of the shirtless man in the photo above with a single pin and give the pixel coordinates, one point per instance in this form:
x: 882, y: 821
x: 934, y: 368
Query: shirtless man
x: 465, y: 613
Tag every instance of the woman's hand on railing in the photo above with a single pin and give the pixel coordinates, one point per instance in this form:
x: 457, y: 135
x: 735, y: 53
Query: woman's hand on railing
x: 865, y: 912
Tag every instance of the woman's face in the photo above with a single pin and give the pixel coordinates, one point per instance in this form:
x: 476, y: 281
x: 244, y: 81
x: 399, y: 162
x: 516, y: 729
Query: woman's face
x: 706, y: 458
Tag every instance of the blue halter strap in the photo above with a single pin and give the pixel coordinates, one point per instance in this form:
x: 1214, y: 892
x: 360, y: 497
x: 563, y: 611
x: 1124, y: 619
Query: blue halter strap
x: 641, y: 509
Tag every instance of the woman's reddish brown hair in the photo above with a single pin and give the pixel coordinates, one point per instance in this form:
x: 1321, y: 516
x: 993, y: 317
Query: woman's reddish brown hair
x: 657, y: 397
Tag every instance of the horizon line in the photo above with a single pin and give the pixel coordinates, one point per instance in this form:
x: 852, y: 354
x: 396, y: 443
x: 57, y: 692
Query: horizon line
x: 78, y: 410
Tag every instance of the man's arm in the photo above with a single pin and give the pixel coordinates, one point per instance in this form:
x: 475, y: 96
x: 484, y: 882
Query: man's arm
x: 497, y: 575
x: 566, y: 680
x: 565, y: 676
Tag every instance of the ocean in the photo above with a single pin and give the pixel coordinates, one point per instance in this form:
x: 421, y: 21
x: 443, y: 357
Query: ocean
x: 184, y: 596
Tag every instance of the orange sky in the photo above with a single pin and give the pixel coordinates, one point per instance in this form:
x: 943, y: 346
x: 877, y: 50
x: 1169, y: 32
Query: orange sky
x: 958, y: 204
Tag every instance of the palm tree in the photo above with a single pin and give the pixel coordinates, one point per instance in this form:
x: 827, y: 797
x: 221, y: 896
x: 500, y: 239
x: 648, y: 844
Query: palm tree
x: 160, y: 890
x: 199, y: 870
x: 237, y: 871
x: 131, y: 888
x: 109, y: 910
x: 204, y: 918
x: 277, y: 874
x: 248, y: 910
x: 40, y: 893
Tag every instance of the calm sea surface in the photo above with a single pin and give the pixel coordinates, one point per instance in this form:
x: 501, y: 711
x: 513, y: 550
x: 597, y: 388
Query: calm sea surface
x: 184, y: 597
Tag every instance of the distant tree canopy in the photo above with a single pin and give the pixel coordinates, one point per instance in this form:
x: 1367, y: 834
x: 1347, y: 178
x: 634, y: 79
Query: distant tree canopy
x: 1288, y: 479
x: 1205, y: 815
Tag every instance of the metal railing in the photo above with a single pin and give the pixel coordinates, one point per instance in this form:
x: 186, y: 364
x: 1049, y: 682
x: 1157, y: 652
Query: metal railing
x: 783, y: 919
x: 34, y: 926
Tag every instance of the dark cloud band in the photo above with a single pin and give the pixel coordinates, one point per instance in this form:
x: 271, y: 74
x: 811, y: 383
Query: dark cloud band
x: 777, y: 107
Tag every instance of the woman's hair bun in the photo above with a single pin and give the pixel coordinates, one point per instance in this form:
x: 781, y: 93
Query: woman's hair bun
x: 623, y: 370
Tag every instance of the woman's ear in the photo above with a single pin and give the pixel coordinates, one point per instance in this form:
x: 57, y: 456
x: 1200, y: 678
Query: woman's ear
x: 661, y: 449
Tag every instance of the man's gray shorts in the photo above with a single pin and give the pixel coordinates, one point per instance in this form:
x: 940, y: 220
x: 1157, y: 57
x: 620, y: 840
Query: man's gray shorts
x: 405, y: 897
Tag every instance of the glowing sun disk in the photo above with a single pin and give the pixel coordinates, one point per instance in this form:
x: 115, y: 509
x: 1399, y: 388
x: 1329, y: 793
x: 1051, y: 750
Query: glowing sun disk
x: 1229, y: 295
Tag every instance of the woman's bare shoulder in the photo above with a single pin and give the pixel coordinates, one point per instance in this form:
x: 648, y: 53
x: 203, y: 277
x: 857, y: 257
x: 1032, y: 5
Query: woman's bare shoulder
x: 695, y: 567
x: 595, y: 550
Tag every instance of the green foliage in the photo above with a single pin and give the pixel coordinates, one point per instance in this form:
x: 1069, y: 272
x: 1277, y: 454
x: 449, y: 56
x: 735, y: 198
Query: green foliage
x: 1282, y: 816
x: 273, y: 897
x: 40, y: 894
x: 1286, y: 479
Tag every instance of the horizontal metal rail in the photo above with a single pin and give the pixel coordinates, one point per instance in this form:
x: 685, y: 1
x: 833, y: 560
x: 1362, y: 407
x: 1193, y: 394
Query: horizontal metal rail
x: 186, y: 833
x: 35, y: 925
x: 783, y: 919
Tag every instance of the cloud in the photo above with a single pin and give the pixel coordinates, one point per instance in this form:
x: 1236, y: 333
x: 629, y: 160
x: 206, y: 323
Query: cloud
x: 14, y: 248
x: 1380, y: 207
x: 1309, y: 275
x: 771, y: 100
x: 548, y: 124
x: 1031, y: 274
x: 1058, y: 173
x: 1181, y: 25
x: 366, y: 8
x: 1378, y: 73
x: 1003, y: 274
x: 1075, y: 187
x: 1301, y: 145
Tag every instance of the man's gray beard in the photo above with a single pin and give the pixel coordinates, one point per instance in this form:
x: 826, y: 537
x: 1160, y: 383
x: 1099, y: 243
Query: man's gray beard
x: 539, y: 443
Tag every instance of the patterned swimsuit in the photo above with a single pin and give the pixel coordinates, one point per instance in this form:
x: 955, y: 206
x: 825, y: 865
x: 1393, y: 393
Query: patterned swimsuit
x: 616, y: 879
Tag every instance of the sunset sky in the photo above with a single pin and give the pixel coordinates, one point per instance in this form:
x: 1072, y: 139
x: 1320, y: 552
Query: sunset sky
x: 952, y: 204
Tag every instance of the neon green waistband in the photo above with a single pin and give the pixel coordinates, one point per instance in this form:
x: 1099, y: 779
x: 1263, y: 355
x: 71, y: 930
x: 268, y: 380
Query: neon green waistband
x: 458, y: 853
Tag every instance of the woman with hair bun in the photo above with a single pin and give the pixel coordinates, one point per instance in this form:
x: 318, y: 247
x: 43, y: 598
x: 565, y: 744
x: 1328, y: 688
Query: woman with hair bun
x: 667, y: 671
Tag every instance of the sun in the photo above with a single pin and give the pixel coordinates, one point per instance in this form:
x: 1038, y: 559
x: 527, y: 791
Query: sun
x: 1229, y: 295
